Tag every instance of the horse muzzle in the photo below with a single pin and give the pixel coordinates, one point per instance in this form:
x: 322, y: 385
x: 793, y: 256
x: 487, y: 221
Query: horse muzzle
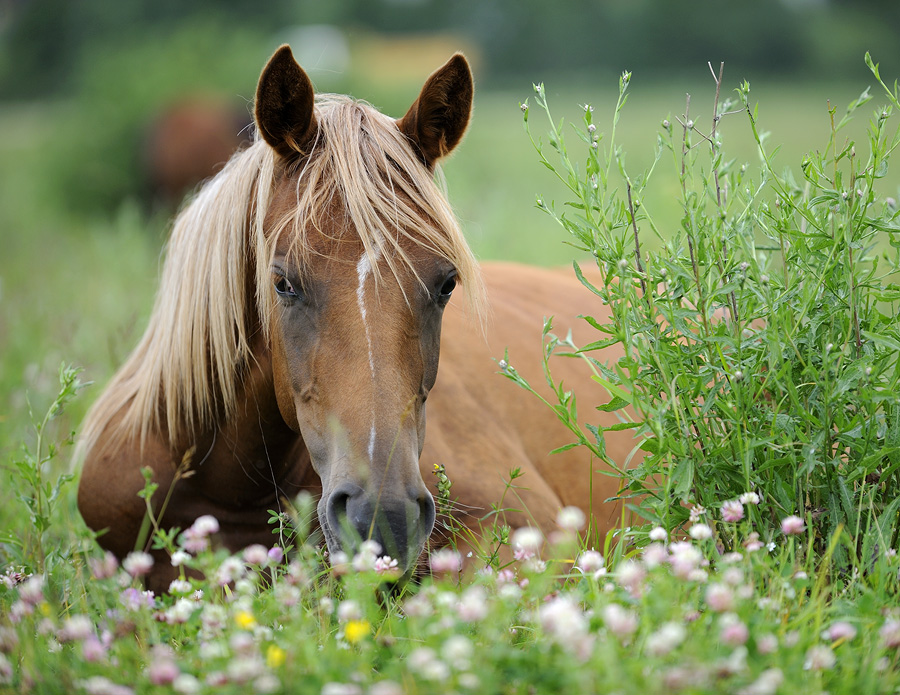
x: 400, y: 524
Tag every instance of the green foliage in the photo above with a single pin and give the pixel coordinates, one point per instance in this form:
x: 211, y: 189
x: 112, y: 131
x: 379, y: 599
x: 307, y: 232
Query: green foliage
x: 759, y: 337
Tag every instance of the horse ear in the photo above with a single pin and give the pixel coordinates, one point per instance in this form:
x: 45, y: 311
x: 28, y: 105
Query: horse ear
x: 284, y: 104
x: 437, y: 120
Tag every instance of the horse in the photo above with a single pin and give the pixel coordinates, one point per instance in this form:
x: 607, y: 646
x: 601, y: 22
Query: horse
x: 187, y: 142
x: 303, y: 307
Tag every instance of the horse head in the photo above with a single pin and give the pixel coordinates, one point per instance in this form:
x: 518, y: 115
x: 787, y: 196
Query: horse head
x: 364, y: 255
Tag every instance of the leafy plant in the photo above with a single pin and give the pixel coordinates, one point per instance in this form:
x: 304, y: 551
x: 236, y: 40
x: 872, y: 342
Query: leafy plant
x: 760, y: 336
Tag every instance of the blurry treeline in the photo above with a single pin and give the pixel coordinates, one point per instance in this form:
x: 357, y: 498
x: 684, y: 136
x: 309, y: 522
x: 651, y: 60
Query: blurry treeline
x: 108, y: 66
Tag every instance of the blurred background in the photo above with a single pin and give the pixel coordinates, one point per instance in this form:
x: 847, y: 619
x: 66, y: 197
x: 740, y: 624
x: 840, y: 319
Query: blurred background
x: 94, y: 96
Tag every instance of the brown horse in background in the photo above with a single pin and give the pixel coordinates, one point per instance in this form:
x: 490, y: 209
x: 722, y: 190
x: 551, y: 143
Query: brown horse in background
x: 189, y: 141
x: 304, y: 303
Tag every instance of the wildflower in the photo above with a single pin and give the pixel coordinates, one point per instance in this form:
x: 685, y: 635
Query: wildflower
x: 733, y: 632
x: 386, y: 565
x: 562, y: 619
x: 659, y: 534
x: 684, y: 559
x: 245, y: 620
x: 631, y: 575
x: 526, y: 542
x: 472, y: 605
x: 341, y: 689
x: 366, y: 556
x: 700, y: 532
x: 357, y: 630
x: 92, y: 649
x: 664, y: 640
x: 819, y: 658
x: 654, y: 555
x: 245, y: 668
x: 766, y: 643
x: 792, y: 525
x: 266, y: 683
x: 205, y: 525
x: 179, y: 558
x: 229, y: 571
x: 31, y: 591
x: 752, y: 544
x: 386, y: 688
x: 749, y: 498
x: 99, y: 685
x: 570, y: 519
x: 590, y: 562
x: 424, y: 661
x: 105, y: 567
x: 696, y: 512
x: 620, y: 621
x: 180, y: 612
x: 186, y: 684
x: 76, y: 628
x: 275, y: 656
x: 839, y: 630
x: 256, y: 555
x: 458, y: 651
x: 135, y: 599
x: 276, y: 555
x: 767, y: 683
x: 732, y: 511
x: 719, y: 598
x: 349, y: 610
x: 179, y: 586
x: 162, y: 670
x: 890, y: 633
x: 446, y: 561
x: 137, y: 563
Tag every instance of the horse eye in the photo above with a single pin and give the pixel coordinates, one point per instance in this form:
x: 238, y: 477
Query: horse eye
x: 447, y: 288
x: 284, y: 287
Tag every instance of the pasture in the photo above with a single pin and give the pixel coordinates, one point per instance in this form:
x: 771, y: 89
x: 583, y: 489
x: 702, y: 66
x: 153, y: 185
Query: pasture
x: 765, y: 595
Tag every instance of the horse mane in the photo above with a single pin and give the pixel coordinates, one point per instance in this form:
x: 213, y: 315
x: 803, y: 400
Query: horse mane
x: 186, y: 372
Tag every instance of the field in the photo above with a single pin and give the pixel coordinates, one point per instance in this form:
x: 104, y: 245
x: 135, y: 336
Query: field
x: 758, y: 598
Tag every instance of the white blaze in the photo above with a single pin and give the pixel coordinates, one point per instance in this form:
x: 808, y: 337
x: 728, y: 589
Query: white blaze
x: 363, y: 271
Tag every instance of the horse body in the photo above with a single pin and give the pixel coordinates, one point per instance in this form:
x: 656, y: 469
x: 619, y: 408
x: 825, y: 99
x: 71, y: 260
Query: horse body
x: 296, y: 340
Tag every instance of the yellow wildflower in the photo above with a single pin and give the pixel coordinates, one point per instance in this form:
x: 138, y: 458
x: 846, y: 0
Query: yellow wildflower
x: 245, y: 620
x: 356, y: 630
x: 275, y: 656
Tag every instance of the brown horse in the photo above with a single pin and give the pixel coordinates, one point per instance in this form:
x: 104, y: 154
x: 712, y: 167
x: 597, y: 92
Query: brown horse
x: 295, y: 340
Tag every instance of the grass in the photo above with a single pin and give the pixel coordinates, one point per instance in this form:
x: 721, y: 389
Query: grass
x: 792, y: 606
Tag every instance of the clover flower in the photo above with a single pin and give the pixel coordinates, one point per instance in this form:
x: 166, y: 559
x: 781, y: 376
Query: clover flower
x: 631, y: 575
x: 719, y: 598
x: 620, y: 621
x: 570, y: 519
x: 767, y: 683
x: 162, y: 669
x: 749, y: 498
x: 137, y: 563
x: 667, y: 638
x: 472, y: 605
x: 425, y: 662
x: 100, y: 685
x: 135, y: 599
x: 457, y: 650
x: 732, y: 631
x: 563, y: 619
x: 105, y: 567
x: 349, y: 610
x: 792, y: 525
x: 700, y: 532
x: 445, y: 561
x: 732, y: 511
x: 526, y: 542
x: 654, y: 555
x: 658, y: 534
x: 890, y: 633
x: 819, y: 658
x: 839, y: 630
x: 256, y: 555
x: 386, y: 565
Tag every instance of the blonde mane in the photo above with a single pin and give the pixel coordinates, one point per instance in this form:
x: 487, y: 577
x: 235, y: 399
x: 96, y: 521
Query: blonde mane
x: 186, y: 372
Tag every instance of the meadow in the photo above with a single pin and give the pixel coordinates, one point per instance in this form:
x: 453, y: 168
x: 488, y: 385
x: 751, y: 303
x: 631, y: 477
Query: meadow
x: 763, y: 567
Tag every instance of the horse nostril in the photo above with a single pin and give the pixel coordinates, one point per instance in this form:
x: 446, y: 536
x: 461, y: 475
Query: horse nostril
x: 426, y: 514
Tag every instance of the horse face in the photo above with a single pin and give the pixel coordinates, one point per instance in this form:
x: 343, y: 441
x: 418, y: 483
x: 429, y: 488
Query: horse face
x: 355, y: 333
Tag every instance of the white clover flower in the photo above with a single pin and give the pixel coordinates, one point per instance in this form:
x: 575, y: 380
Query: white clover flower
x: 349, y: 610
x: 570, y: 519
x: 700, y: 532
x: 563, y: 619
x: 620, y: 621
x: 138, y: 563
x: 719, y: 597
x: 819, y: 658
x: 458, y: 650
x: 590, y: 561
x: 749, y: 498
x: 732, y: 511
x: 654, y: 555
x: 667, y: 638
x: 631, y: 575
x: 256, y: 554
x: 179, y: 557
x: 792, y: 525
x: 179, y: 586
x: 181, y: 611
x: 839, y: 629
x: 526, y: 542
x: 472, y: 605
x: 205, y: 525
x: 445, y: 561
x: 659, y: 534
x: 767, y: 683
